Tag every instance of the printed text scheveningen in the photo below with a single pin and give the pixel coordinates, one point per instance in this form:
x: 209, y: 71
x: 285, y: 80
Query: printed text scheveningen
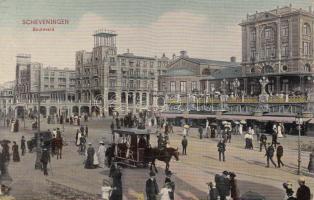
x: 44, y: 21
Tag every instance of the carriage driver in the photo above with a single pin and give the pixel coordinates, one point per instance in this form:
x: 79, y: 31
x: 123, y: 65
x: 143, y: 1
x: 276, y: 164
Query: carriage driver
x: 162, y: 142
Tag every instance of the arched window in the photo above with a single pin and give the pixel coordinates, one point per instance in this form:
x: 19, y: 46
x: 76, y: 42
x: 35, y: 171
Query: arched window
x: 306, y: 29
x: 206, y: 71
x: 267, y: 69
x: 307, y: 67
x: 252, y: 70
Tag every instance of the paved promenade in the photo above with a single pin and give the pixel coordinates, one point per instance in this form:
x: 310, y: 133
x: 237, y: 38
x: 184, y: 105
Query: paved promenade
x: 192, y: 172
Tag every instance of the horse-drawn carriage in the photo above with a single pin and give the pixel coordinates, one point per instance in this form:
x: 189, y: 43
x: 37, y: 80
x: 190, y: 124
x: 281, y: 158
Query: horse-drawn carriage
x: 130, y: 146
x: 45, y: 138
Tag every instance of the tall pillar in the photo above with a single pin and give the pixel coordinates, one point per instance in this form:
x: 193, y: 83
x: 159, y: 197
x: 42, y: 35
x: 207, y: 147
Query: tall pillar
x: 245, y: 86
x: 118, y: 101
x: 278, y: 85
x: 147, y: 99
x: 278, y: 45
x: 126, y: 102
x: 134, y: 102
x: 141, y: 100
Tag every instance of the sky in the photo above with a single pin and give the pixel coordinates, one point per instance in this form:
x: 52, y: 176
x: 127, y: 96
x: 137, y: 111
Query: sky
x: 206, y: 29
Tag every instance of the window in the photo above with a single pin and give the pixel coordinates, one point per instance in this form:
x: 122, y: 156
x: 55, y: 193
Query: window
x: 112, y: 83
x: 144, y: 84
x: 131, y: 72
x: 137, y: 73
x: 182, y: 86
x: 112, y: 60
x: 138, y: 84
x: 52, y: 73
x: 253, y: 54
x: 151, y: 85
x: 253, y: 35
x: 172, y: 86
x: 123, y: 83
x: 159, y: 63
x: 267, y: 33
x: 284, y: 51
x: 151, y: 64
x: 131, y: 84
x: 284, y: 31
x: 194, y: 85
x: 306, y: 29
x: 306, y: 48
x: 123, y: 62
x: 268, y: 52
x: 145, y: 64
x: 145, y: 73
x: 138, y: 63
x: 285, y: 68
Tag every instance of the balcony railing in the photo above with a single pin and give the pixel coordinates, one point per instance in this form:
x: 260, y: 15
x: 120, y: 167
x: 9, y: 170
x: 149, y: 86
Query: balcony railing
x: 239, y: 100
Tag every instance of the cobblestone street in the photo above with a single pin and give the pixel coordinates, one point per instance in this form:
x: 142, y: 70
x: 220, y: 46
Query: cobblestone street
x: 191, y: 172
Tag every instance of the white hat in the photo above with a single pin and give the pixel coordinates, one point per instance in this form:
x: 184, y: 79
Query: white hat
x: 101, y: 142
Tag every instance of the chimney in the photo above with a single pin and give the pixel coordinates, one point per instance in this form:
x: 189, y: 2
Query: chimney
x: 290, y: 5
x: 173, y: 56
x: 233, y: 59
x: 183, y: 53
x: 163, y: 55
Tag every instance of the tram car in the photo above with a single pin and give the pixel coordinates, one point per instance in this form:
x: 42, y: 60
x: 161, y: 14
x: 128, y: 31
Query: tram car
x: 130, y: 146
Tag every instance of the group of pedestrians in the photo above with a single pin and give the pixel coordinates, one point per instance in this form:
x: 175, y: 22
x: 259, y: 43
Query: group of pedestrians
x: 225, y: 185
x: 165, y: 193
x: 81, y: 138
x: 95, y: 159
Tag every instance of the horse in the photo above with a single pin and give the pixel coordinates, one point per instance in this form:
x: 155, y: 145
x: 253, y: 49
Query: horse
x: 151, y: 154
x: 58, y: 146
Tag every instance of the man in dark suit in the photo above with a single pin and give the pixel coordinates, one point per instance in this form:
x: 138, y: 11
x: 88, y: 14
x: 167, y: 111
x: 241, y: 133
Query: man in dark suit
x: 45, y: 158
x: 171, y: 183
x: 304, y: 192
x: 279, y: 154
x: 151, y: 187
x: 262, y: 140
x: 270, y: 154
x: 184, y: 145
x: 221, y: 149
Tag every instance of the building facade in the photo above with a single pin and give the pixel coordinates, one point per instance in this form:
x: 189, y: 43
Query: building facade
x: 108, y: 81
x: 6, y: 99
x: 278, y: 44
x: 55, y: 86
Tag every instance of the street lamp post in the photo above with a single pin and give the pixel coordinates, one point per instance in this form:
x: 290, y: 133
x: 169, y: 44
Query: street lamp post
x: 299, y: 122
x: 38, y: 147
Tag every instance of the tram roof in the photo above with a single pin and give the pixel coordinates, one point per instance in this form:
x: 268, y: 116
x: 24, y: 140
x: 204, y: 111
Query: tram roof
x: 132, y: 131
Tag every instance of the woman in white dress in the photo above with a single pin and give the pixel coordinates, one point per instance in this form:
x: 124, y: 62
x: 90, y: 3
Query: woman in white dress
x: 279, y: 131
x: 164, y: 192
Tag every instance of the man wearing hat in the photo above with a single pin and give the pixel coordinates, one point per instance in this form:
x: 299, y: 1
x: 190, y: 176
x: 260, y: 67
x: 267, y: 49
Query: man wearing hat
x: 184, y: 143
x: 45, y: 158
x: 151, y: 187
x: 235, y: 193
x: 270, y: 154
x: 171, y: 183
x: 304, y: 192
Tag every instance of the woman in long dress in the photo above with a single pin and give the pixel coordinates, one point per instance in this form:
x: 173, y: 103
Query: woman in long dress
x: 279, y: 131
x: 15, y: 150
x: 164, y: 192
